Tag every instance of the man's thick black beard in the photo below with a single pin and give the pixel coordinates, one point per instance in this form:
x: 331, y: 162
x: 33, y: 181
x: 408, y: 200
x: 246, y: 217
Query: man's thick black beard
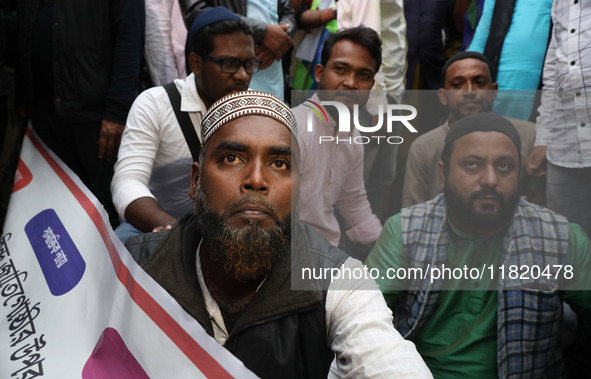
x: 247, y: 253
x: 460, y: 210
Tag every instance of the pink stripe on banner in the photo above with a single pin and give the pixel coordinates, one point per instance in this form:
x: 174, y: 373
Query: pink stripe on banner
x: 112, y: 359
x: 196, y: 354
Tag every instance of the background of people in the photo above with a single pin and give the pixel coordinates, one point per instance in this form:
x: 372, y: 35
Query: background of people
x: 418, y: 37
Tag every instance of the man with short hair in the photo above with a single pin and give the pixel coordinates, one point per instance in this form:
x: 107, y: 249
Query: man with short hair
x: 151, y: 178
x: 332, y: 172
x: 469, y: 88
x: 274, y: 26
x: 228, y: 262
x: 510, y: 263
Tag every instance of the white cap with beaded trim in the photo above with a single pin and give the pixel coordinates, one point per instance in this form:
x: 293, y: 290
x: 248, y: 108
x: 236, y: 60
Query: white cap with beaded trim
x: 246, y: 103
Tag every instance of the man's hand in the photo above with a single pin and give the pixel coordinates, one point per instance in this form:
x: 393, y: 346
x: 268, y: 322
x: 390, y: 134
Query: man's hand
x: 265, y: 55
x: 146, y: 215
x: 277, y: 40
x: 161, y: 228
x: 535, y: 163
x: 109, y: 139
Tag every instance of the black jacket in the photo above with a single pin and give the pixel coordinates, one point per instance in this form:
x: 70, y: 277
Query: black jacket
x: 281, y: 333
x: 96, y: 49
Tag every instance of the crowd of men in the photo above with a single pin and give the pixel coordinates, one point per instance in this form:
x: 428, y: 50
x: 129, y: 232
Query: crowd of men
x: 226, y: 195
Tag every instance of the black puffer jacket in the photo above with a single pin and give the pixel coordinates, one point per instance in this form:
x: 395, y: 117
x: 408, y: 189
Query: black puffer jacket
x: 282, y: 333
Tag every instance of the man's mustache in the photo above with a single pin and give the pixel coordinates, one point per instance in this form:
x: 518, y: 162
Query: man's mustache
x: 487, y: 191
x: 253, y: 199
x: 470, y: 101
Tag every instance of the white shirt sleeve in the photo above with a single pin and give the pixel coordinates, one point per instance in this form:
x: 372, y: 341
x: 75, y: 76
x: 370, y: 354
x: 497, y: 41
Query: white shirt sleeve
x: 360, y: 331
x: 139, y: 145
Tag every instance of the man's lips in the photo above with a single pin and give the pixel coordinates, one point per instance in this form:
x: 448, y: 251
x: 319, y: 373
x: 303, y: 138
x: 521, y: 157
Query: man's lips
x: 238, y: 89
x: 349, y: 94
x: 488, y: 198
x: 470, y: 102
x: 253, y: 210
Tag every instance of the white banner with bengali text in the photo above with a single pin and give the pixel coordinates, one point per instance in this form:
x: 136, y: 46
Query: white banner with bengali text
x: 74, y: 304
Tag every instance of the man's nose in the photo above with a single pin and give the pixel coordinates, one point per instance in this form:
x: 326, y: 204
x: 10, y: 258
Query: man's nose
x: 469, y: 88
x: 255, y: 178
x: 489, y: 177
x: 351, y: 81
x: 241, y: 74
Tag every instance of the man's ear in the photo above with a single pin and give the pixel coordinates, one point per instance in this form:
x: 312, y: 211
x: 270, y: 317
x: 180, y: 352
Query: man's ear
x: 441, y: 95
x: 194, y: 179
x: 441, y: 171
x: 495, y: 88
x: 318, y: 69
x: 195, y: 63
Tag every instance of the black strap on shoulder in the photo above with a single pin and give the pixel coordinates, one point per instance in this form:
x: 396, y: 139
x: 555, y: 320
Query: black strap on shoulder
x: 499, y: 26
x: 184, y: 120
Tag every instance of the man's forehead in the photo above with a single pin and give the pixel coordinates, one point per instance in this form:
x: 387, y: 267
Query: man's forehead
x: 254, y: 136
x: 482, y: 122
x: 467, y: 67
x: 479, y: 143
x: 220, y: 40
x: 253, y: 128
x: 345, y: 51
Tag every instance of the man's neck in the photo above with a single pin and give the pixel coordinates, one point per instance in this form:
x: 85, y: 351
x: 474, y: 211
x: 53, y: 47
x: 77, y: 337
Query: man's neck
x: 455, y: 117
x: 472, y: 229
x: 201, y: 94
x: 204, y: 100
x: 333, y: 115
x: 451, y: 119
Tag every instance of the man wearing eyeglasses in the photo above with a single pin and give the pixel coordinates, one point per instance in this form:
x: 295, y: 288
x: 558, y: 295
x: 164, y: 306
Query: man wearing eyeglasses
x: 152, y: 173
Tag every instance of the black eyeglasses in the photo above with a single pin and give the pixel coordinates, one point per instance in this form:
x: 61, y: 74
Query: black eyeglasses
x: 232, y: 65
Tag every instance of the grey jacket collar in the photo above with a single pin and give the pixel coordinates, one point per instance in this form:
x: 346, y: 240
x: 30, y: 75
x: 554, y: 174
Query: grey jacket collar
x: 172, y: 265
